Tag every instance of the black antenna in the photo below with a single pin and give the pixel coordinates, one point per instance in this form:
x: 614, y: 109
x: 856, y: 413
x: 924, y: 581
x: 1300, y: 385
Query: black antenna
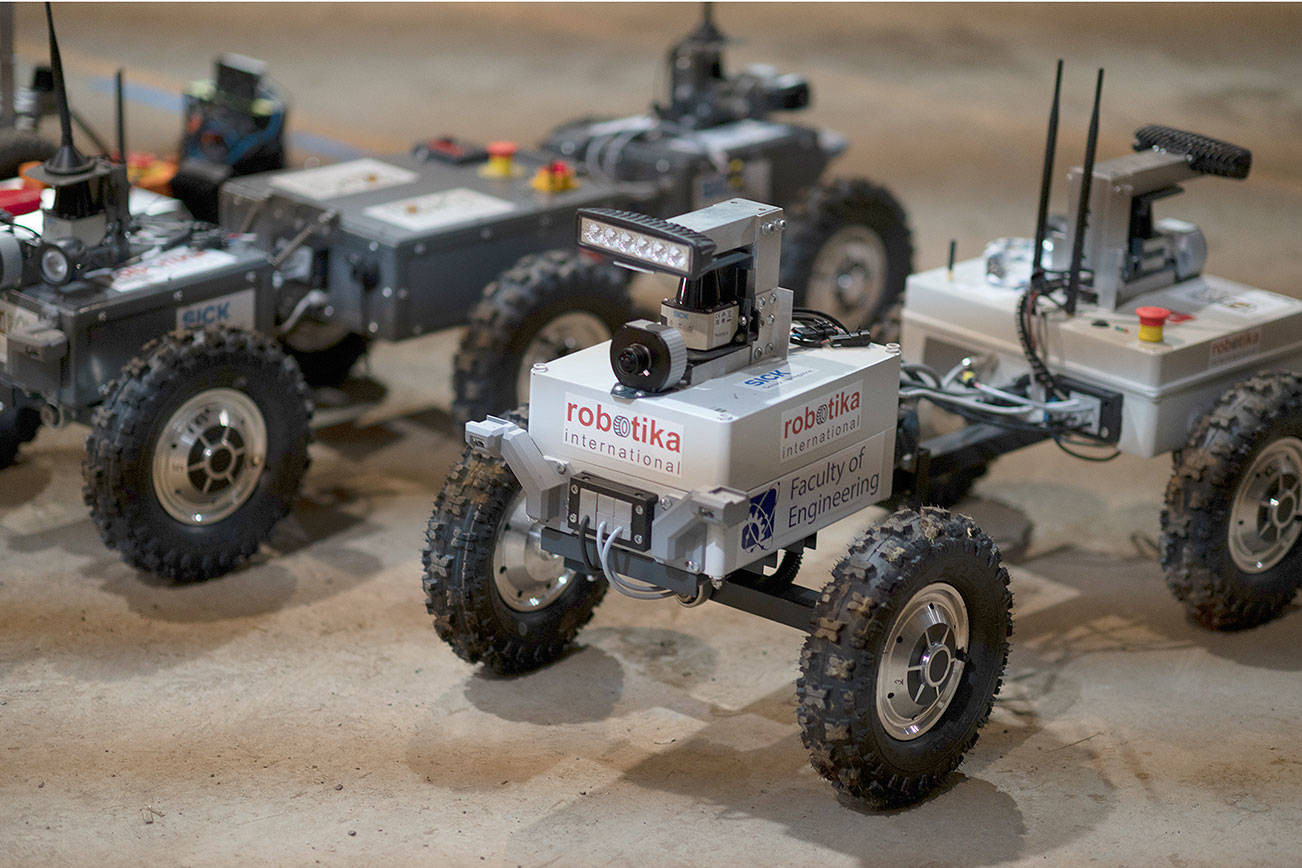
x: 67, y: 160
x: 1083, y: 206
x: 1046, y: 180
x: 122, y: 126
x: 707, y: 32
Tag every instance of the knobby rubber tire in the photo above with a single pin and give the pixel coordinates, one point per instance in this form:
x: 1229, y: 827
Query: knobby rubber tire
x: 18, y: 425
x: 117, y: 472
x: 819, y: 214
x: 1195, y: 550
x: 469, y: 613
x: 515, y: 308
x: 883, y: 571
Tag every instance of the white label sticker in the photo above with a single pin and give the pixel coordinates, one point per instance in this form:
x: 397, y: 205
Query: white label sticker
x: 822, y: 419
x: 1236, y: 346
x: 344, y: 179
x: 183, y: 262
x: 437, y: 210
x: 627, y: 436
x: 814, y: 496
x: 13, y: 318
x: 1245, y: 302
x: 235, y: 310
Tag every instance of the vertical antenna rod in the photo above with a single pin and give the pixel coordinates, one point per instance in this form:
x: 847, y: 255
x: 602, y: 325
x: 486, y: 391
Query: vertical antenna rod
x: 1046, y: 181
x: 67, y: 160
x: 1083, y: 206
x: 122, y: 126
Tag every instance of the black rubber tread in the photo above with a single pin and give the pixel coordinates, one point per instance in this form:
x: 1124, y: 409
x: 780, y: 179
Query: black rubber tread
x: 330, y: 366
x: 515, y: 307
x: 468, y: 611
x: 18, y: 425
x: 117, y: 474
x: 21, y: 146
x: 823, y: 210
x: 1195, y: 521
x: 1207, y: 155
x: 884, y: 569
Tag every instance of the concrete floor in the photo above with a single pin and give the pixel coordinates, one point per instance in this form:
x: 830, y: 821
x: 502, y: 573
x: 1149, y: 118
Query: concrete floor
x: 302, y: 709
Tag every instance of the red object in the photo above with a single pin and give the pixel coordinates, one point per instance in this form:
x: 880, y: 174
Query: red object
x: 446, y: 145
x: 502, y: 149
x: 21, y: 201
x: 1152, y: 316
x: 1180, y: 317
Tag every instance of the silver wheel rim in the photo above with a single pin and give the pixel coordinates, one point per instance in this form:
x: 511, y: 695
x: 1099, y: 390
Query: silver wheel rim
x: 527, y: 578
x: 922, y: 663
x: 210, y: 456
x: 559, y: 337
x: 849, y: 275
x: 1266, y: 516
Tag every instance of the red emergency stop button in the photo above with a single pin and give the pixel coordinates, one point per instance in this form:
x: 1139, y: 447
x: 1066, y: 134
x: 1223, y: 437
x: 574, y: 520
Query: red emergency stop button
x: 1151, y: 320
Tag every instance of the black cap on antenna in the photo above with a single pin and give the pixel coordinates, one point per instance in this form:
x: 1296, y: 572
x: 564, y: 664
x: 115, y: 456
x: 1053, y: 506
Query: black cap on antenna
x: 707, y: 32
x: 67, y: 160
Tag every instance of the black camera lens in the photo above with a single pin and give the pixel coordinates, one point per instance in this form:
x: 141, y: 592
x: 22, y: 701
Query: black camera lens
x: 634, y: 359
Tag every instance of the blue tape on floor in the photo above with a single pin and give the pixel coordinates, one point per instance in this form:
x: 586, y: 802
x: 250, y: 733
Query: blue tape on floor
x: 173, y: 103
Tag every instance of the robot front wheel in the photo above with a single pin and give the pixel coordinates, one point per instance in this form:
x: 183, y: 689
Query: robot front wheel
x: 496, y: 596
x: 1233, y: 517
x: 908, y: 651
x: 199, y: 449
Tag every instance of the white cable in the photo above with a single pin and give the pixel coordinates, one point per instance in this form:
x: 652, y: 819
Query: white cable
x: 629, y: 587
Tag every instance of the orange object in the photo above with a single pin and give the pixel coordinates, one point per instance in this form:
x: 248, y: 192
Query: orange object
x: 1151, y: 320
x: 30, y: 183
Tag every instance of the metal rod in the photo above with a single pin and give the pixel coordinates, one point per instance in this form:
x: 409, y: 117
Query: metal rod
x: 8, y: 91
x: 1083, y: 206
x: 1046, y: 181
x: 121, y: 112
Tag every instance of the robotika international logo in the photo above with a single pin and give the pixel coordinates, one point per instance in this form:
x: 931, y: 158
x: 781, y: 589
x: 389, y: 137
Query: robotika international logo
x: 825, y: 419
x: 635, y: 438
x: 757, y: 532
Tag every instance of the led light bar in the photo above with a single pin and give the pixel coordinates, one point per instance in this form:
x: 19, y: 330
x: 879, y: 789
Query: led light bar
x: 648, y: 242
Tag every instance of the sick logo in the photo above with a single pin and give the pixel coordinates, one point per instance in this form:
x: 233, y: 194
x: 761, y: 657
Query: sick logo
x: 757, y: 532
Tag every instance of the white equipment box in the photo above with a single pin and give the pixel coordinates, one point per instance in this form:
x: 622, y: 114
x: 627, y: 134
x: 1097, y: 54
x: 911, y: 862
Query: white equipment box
x: 1220, y: 332
x: 805, y: 441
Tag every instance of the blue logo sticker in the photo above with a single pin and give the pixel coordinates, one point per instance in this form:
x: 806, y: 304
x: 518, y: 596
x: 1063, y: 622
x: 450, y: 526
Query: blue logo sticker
x: 757, y: 532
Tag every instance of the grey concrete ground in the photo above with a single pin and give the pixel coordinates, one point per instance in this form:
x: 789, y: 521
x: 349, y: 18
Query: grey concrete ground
x: 302, y: 709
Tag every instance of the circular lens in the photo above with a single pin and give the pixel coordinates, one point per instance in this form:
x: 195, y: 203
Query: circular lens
x: 55, y: 267
x: 635, y: 359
